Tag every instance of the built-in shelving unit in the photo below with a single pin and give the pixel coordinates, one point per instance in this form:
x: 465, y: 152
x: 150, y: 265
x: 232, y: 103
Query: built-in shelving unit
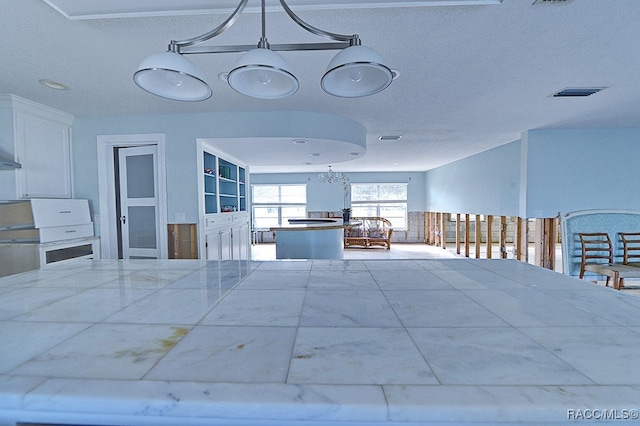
x: 224, y: 216
x: 224, y: 185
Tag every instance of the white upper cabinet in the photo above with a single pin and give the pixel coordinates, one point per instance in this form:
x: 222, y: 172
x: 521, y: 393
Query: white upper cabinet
x: 42, y: 145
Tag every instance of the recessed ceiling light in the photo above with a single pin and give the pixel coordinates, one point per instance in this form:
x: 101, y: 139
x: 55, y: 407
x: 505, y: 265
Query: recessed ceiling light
x: 306, y: 163
x: 315, y: 154
x: 299, y: 141
x: 54, y: 84
x: 354, y: 153
x: 390, y: 137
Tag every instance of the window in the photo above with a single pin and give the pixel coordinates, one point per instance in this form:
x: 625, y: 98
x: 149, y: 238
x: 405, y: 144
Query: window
x: 388, y: 200
x: 274, y: 205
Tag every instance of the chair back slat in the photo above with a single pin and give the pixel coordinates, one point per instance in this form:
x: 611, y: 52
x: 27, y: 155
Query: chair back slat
x: 596, y: 245
x: 631, y: 247
x: 596, y: 249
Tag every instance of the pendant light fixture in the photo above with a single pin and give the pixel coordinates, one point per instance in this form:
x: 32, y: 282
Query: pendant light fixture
x: 260, y: 72
x: 355, y: 72
x: 171, y: 75
x: 332, y: 177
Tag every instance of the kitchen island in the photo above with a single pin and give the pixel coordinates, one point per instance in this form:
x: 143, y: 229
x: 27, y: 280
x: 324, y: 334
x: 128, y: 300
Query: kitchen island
x: 310, y: 239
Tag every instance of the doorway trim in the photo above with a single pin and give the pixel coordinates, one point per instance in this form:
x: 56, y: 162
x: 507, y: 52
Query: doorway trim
x: 107, y: 190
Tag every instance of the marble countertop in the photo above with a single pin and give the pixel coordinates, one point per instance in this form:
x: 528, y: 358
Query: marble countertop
x: 321, y: 342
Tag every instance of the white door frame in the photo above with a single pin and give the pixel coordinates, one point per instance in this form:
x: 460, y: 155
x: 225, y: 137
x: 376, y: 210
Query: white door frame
x: 107, y: 190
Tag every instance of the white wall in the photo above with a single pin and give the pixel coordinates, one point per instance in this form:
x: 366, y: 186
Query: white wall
x: 485, y: 183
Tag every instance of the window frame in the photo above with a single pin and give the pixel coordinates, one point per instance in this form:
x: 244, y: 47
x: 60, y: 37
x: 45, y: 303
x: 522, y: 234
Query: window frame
x: 277, y: 205
x: 378, y: 203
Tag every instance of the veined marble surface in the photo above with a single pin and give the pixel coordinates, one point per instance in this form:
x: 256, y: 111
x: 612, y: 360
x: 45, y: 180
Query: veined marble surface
x: 318, y: 342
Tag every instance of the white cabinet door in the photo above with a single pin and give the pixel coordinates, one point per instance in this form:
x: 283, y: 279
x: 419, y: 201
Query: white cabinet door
x: 241, y: 242
x: 228, y: 243
x: 212, y: 245
x: 218, y: 244
x: 43, y: 148
x: 225, y: 244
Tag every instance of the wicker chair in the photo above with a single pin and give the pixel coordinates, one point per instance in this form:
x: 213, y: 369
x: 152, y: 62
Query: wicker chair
x: 371, y: 231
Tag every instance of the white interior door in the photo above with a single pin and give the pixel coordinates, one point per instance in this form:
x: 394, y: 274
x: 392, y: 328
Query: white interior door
x: 139, y: 202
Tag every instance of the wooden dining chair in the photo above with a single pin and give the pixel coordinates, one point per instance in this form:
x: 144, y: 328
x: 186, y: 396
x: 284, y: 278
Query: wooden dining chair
x: 597, y: 253
x: 631, y: 247
x: 631, y: 250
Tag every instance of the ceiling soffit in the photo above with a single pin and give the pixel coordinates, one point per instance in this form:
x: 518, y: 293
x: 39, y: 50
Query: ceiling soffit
x: 82, y: 9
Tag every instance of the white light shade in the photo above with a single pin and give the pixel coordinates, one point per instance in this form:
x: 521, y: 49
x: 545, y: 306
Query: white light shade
x: 171, y: 75
x: 262, y: 73
x: 355, y: 72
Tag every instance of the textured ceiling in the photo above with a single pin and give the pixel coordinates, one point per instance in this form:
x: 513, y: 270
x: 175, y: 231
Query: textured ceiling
x: 471, y: 77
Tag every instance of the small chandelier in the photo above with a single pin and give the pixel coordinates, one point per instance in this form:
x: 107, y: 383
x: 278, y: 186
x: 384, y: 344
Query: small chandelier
x: 332, y: 177
x: 260, y: 72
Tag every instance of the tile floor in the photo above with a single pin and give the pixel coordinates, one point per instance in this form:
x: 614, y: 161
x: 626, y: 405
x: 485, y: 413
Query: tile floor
x: 267, y: 252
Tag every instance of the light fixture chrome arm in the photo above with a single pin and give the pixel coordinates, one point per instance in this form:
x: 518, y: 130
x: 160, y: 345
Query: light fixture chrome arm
x: 189, y: 46
x: 176, y: 46
x: 353, y: 39
x: 191, y: 50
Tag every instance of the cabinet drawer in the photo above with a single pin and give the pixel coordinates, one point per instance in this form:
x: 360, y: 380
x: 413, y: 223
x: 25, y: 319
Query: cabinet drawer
x: 217, y: 220
x: 240, y: 217
x: 49, y: 212
x: 60, y: 233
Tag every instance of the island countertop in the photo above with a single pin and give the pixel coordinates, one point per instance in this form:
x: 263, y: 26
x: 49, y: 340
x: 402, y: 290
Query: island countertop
x: 310, y: 343
x: 310, y: 224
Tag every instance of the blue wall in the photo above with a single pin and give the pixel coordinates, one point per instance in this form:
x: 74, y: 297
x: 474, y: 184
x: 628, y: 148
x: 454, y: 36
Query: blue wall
x: 545, y: 173
x: 571, y: 170
x: 181, y: 132
x: 485, y: 183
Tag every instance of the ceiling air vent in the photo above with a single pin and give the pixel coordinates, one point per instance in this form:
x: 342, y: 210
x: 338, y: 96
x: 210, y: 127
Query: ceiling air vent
x: 389, y: 138
x: 577, y: 92
x: 552, y: 1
